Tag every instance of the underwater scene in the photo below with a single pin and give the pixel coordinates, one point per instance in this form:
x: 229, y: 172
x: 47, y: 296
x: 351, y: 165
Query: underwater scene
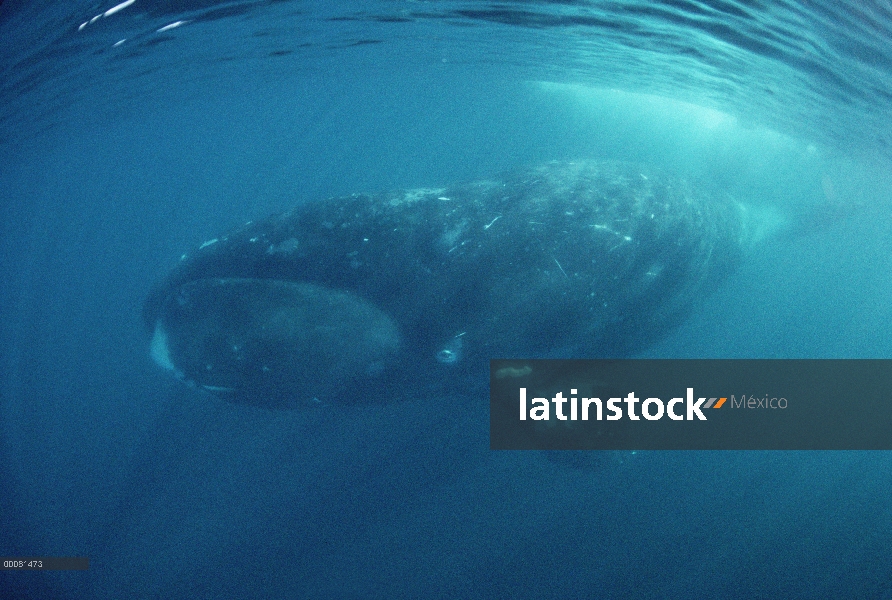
x: 257, y: 255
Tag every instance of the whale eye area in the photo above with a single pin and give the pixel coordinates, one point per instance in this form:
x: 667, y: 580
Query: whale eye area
x: 451, y: 351
x: 447, y: 356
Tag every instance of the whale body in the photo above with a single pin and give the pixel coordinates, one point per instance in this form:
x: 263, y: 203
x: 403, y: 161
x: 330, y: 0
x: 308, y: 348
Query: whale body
x: 387, y: 296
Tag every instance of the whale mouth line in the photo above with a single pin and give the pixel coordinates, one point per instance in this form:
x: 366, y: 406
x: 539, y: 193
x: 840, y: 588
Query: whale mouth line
x: 271, y: 341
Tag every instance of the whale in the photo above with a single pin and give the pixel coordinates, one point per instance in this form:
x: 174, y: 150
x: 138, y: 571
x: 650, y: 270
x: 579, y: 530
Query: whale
x: 400, y: 294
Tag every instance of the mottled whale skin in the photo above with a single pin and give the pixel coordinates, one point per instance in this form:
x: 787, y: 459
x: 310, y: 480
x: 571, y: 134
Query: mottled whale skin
x: 400, y: 294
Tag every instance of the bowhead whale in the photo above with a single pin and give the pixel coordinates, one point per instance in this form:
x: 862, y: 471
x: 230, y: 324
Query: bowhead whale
x: 391, y: 295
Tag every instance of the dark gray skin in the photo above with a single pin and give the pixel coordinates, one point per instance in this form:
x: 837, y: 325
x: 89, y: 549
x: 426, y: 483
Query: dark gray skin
x: 584, y: 259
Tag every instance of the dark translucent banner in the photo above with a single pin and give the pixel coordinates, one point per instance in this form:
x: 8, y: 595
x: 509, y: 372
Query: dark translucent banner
x: 639, y: 404
x: 44, y: 563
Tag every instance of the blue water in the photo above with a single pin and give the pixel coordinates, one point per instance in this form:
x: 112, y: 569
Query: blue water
x: 115, y: 158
